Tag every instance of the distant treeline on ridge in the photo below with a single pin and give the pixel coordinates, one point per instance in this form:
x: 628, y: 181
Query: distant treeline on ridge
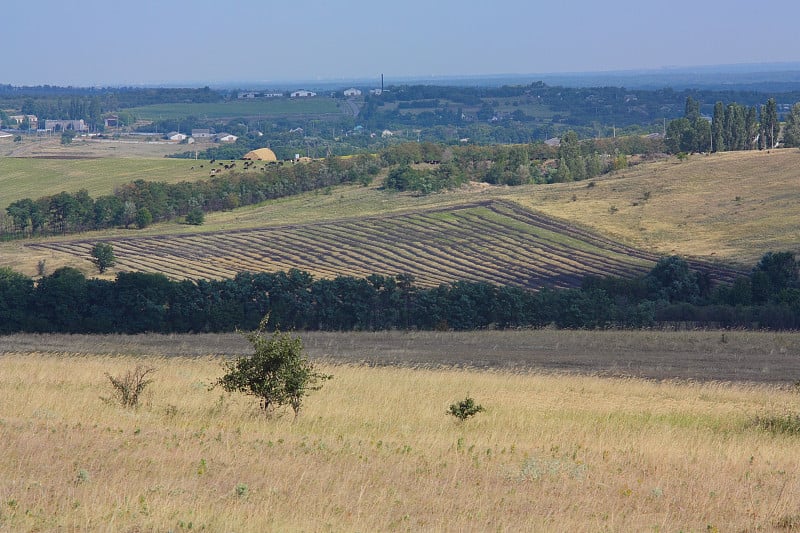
x: 141, y: 202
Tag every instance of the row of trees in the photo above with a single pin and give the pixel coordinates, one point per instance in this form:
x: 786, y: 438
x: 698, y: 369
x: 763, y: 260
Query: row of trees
x: 732, y: 127
x: 511, y: 164
x: 141, y: 203
x: 66, y: 301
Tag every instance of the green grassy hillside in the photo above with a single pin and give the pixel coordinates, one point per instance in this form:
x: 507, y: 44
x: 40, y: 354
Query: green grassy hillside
x: 34, y: 177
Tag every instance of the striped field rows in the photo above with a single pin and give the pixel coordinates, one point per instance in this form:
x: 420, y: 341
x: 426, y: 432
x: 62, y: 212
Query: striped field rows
x: 494, y: 241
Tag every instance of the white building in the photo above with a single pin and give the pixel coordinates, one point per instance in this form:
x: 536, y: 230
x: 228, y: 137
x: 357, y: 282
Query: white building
x: 226, y: 138
x: 176, y: 136
x: 352, y: 92
x: 302, y: 93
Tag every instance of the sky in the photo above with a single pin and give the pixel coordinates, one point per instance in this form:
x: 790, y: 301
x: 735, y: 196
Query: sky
x: 204, y: 42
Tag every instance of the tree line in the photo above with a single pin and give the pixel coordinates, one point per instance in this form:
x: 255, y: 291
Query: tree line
x: 141, y: 203
x: 66, y: 301
x: 732, y: 127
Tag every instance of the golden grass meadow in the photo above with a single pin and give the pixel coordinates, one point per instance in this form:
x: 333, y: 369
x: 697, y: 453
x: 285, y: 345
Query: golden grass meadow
x: 375, y: 450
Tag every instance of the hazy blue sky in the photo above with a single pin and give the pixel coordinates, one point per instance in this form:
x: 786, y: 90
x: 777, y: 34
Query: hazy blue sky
x: 105, y: 42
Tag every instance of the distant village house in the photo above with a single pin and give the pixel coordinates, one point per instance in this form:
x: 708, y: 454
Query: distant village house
x: 251, y: 95
x: 226, y: 138
x: 352, y: 92
x: 201, y: 133
x: 19, y: 120
x: 303, y: 94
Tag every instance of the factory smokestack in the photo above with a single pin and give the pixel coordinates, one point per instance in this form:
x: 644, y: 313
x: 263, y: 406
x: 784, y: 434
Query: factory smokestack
x: 381, y: 82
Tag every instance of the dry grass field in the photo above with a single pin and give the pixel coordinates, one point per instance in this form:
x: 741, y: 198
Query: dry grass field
x: 733, y: 206
x: 50, y: 147
x: 375, y: 451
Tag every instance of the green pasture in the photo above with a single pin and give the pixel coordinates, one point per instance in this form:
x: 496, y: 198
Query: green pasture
x: 239, y: 108
x: 37, y: 177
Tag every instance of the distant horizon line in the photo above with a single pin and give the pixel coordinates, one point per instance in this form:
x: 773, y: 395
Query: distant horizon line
x: 792, y: 67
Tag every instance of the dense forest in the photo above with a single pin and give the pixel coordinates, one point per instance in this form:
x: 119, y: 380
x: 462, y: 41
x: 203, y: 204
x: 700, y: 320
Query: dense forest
x: 671, y: 295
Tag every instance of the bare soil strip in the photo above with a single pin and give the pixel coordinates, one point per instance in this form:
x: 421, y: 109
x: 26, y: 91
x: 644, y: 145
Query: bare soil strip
x: 742, y: 356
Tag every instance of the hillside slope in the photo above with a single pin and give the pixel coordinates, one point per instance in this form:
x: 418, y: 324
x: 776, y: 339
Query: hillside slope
x: 727, y: 208
x: 492, y: 241
x: 730, y: 206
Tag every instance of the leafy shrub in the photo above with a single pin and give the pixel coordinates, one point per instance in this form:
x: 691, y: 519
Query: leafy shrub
x: 465, y: 408
x: 195, y: 217
x: 278, y: 373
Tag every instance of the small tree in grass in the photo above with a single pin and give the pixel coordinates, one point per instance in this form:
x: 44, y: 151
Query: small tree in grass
x: 103, y: 256
x: 277, y: 373
x: 465, y: 408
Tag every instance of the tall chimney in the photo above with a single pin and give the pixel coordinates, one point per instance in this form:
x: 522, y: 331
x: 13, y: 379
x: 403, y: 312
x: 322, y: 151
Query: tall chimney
x: 381, y: 82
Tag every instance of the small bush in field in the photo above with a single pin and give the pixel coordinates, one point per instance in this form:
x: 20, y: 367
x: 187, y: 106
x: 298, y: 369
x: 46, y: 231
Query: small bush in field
x: 465, y: 408
x: 83, y: 476
x: 278, y: 373
x: 129, y: 386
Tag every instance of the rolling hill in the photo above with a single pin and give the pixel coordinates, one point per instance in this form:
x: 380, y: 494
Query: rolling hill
x: 721, y: 211
x: 492, y: 241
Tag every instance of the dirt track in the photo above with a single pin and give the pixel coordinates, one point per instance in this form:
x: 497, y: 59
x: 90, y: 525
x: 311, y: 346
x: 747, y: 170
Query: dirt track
x: 719, y: 356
